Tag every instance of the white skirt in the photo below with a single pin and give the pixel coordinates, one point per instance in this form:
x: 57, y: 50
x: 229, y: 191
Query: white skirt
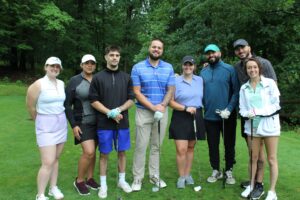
x: 51, y: 129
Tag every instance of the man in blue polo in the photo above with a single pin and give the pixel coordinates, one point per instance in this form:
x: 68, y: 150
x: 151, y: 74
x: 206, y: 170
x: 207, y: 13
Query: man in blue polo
x: 221, y: 92
x: 153, y: 85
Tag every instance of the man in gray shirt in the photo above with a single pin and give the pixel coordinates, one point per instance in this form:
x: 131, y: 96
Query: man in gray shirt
x: 243, y: 51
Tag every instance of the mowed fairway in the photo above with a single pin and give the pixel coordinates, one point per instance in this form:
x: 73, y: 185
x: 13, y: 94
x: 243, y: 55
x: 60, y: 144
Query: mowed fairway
x: 20, y: 162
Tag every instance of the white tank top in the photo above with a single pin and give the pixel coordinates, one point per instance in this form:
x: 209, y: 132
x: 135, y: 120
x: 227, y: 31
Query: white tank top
x: 51, y: 98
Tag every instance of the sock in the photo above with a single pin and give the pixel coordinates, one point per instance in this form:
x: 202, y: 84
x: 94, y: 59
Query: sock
x: 103, y: 181
x: 122, y: 177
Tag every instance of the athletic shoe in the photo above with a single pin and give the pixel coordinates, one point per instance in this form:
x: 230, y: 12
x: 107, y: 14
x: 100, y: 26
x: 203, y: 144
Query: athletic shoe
x: 181, y: 183
x: 244, y: 184
x: 56, y: 193
x: 229, y: 177
x: 136, y: 185
x: 81, y: 188
x: 125, y: 187
x: 271, y: 196
x: 189, y: 180
x: 246, y: 192
x: 158, y: 182
x: 92, y: 184
x: 257, y: 192
x: 102, y: 194
x: 41, y: 197
x: 214, y: 176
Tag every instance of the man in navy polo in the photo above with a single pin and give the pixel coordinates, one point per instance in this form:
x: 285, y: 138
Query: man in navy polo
x: 153, y: 85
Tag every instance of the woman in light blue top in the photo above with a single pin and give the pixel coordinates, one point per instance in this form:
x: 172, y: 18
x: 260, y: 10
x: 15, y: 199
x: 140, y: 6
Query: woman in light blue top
x: 187, y: 114
x: 259, y: 102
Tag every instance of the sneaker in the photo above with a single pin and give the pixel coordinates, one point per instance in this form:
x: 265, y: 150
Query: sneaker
x: 181, y: 183
x: 136, y: 185
x: 229, y: 177
x: 271, y: 196
x: 244, y: 184
x: 257, y: 192
x: 56, y: 193
x: 158, y: 182
x: 246, y: 192
x: 125, y: 187
x: 189, y: 180
x: 102, y: 194
x: 92, y: 184
x: 41, y: 197
x: 215, y: 176
x: 81, y: 188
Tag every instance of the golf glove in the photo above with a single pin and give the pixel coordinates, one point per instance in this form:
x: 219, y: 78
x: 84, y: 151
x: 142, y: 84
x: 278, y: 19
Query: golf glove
x: 158, y: 116
x: 113, y: 113
x: 224, y: 114
x: 251, y: 114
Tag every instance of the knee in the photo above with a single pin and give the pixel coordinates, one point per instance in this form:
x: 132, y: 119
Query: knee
x: 272, y: 160
x: 181, y: 151
x: 48, y: 163
x: 89, y: 154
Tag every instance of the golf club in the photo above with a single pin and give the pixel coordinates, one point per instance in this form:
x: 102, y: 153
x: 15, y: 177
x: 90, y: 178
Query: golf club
x: 251, y: 140
x: 223, y: 135
x: 155, y: 188
x: 196, y: 188
x: 117, y: 149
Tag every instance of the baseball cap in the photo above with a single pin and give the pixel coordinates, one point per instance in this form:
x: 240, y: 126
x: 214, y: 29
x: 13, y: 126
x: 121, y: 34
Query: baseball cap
x: 211, y: 47
x: 88, y: 57
x: 240, y: 42
x: 53, y: 60
x: 188, y: 59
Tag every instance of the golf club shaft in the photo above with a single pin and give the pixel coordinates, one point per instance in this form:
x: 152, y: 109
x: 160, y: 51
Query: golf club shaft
x: 158, y: 125
x: 117, y: 149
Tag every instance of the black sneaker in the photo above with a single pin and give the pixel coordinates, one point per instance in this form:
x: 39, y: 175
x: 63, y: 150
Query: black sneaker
x: 245, y: 184
x: 257, y: 192
x: 81, y: 188
x: 92, y: 184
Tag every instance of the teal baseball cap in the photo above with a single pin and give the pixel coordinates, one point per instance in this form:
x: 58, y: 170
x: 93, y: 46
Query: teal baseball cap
x: 211, y: 47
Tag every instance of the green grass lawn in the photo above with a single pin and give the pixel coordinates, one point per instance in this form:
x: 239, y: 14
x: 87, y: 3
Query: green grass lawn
x: 20, y: 162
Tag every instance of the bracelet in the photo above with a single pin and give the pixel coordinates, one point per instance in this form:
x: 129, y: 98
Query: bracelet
x: 185, y: 108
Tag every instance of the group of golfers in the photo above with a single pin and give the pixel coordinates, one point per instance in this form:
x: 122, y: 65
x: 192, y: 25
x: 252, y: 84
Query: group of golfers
x: 96, y: 106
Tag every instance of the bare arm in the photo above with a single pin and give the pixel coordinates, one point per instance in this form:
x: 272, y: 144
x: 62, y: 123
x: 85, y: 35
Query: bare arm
x: 142, y: 99
x: 33, y: 93
x: 168, y: 96
x: 100, y: 107
x: 126, y: 105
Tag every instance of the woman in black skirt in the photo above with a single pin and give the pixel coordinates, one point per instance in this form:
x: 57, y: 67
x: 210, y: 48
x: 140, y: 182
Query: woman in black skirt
x: 187, y: 108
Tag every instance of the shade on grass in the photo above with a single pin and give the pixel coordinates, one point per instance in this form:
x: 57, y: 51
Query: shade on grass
x: 20, y: 163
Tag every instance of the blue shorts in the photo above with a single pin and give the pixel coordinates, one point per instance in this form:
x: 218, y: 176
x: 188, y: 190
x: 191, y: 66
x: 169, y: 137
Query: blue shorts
x: 107, y: 137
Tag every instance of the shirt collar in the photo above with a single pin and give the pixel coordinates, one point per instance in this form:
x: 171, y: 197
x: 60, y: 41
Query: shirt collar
x: 148, y: 64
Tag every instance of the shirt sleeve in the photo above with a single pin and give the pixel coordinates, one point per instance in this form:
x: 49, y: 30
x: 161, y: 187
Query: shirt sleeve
x: 130, y: 90
x: 69, y: 102
x: 135, y: 76
x: 171, y: 79
x: 94, y: 91
x: 268, y: 70
x: 235, y: 91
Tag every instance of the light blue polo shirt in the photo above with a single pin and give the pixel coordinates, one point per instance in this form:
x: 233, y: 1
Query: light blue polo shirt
x: 189, y: 93
x: 153, y: 81
x: 255, y: 99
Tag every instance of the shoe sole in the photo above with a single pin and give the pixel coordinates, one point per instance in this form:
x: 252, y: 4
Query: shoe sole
x: 50, y: 194
x: 92, y: 188
x: 79, y: 190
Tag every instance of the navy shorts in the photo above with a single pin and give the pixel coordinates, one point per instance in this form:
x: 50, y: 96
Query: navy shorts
x: 106, y: 139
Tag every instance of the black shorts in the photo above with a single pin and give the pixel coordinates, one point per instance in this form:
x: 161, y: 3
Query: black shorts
x: 244, y: 135
x: 182, y: 126
x: 89, y: 132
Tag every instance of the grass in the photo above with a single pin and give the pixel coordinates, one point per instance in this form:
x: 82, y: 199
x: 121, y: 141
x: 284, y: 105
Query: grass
x: 20, y: 162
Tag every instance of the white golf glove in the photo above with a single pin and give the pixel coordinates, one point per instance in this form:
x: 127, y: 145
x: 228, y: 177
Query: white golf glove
x: 224, y: 114
x: 158, y: 116
x: 251, y: 114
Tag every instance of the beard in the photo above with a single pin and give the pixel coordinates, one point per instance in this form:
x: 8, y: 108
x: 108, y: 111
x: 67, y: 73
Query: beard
x: 214, y: 61
x: 154, y: 57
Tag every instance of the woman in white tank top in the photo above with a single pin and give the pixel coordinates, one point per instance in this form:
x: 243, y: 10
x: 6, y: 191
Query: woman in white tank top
x: 45, y: 103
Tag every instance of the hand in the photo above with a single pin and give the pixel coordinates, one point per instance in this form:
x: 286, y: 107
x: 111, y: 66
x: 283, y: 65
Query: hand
x: 251, y: 114
x: 158, y: 116
x: 191, y: 110
x: 224, y: 114
x: 160, y: 108
x: 77, y: 132
x: 113, y: 113
x: 118, y: 118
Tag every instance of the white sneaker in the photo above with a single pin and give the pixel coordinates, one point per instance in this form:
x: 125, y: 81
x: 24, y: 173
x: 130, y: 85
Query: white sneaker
x: 125, y: 187
x: 214, y: 176
x: 102, y: 194
x: 246, y: 192
x: 229, y: 177
x: 158, y: 182
x: 271, y: 196
x: 136, y: 185
x: 41, y: 197
x: 56, y: 193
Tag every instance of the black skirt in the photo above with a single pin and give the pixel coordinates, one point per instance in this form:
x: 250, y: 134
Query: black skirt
x: 182, y: 126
